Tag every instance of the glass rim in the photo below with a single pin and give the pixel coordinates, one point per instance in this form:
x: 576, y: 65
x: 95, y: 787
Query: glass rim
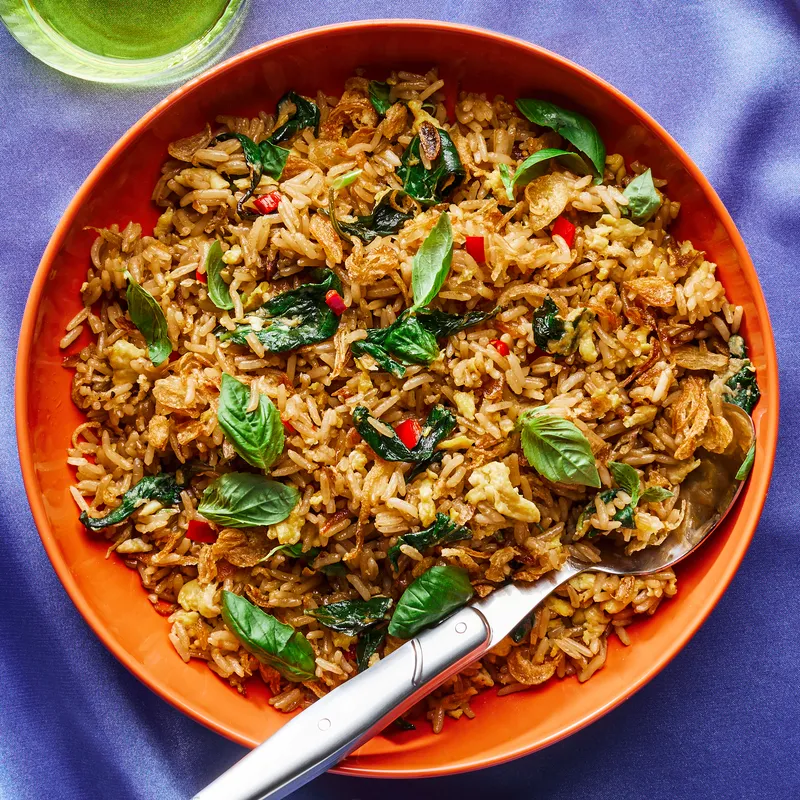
x: 49, y: 46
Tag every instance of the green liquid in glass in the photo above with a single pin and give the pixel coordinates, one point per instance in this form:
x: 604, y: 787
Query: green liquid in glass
x: 131, y: 29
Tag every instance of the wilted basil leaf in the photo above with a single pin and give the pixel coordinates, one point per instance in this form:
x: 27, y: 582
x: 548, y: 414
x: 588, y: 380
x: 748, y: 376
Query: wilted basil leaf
x: 411, y: 338
x: 744, y: 391
x: 146, y: 314
x: 432, y: 596
x: 537, y: 164
x: 547, y: 325
x: 257, y: 436
x: 557, y: 449
x: 292, y: 319
x: 438, y: 425
x: 573, y: 127
x: 305, y: 115
x: 271, y: 641
x: 379, y: 96
x: 265, y: 158
x: 432, y: 262
x: 295, y: 551
x: 351, y: 616
x: 368, y: 643
x: 245, y: 500
x: 522, y: 629
x: 162, y: 487
x: 428, y: 185
x: 384, y: 220
x: 442, y: 531
x: 643, y: 199
x: 217, y: 288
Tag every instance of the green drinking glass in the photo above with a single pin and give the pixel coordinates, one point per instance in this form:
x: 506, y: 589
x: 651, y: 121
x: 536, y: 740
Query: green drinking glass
x: 144, y: 42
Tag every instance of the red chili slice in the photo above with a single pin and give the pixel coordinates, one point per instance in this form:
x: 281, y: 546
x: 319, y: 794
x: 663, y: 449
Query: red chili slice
x: 335, y: 302
x: 409, y: 431
x: 199, y: 531
x: 565, y: 229
x: 267, y: 203
x: 476, y: 247
x: 288, y: 427
x: 201, y: 277
x: 500, y: 346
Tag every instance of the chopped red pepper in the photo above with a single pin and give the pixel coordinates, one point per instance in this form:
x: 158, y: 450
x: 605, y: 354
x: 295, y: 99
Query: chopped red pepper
x: 476, y: 247
x: 409, y: 431
x: 174, y: 356
x: 287, y: 426
x: 199, y: 531
x: 565, y: 229
x: 267, y: 203
x: 335, y: 302
x: 201, y: 277
x: 500, y: 346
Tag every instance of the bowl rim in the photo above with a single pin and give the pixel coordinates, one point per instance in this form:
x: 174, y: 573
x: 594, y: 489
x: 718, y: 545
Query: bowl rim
x: 749, y: 516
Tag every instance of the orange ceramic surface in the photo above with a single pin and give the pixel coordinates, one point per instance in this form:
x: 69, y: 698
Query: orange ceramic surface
x: 110, y: 596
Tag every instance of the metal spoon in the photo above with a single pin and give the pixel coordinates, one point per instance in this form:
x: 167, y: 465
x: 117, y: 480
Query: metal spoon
x: 338, y: 723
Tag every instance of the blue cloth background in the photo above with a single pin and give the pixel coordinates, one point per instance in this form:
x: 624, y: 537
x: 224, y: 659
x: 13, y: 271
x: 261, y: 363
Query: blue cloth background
x: 722, y: 720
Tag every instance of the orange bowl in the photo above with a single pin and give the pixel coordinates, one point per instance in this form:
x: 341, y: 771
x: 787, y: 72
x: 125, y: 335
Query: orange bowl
x: 109, y: 595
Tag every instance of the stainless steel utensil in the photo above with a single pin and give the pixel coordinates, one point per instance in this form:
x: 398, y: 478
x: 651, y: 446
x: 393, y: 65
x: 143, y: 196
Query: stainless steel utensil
x: 338, y: 723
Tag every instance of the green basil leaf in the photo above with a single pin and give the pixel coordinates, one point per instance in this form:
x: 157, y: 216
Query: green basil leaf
x: 217, y: 288
x: 257, y: 436
x: 271, y: 641
x: 556, y: 449
x: 345, y: 180
x: 305, y: 115
x: 743, y: 389
x: 254, y: 155
x: 162, y: 487
x: 379, y: 96
x: 442, y: 531
x: 430, y: 598
x: 292, y: 319
x: 386, y: 219
x: 245, y: 500
x: 146, y: 314
x: 626, y: 516
x: 538, y: 163
x: 368, y: 643
x: 432, y: 262
x: 508, y: 181
x: 570, y: 125
x: 351, y: 616
x: 428, y: 185
x: 643, y: 199
x: 655, y: 494
x: 627, y: 479
x: 547, y: 325
x: 747, y: 464
x: 438, y: 425
x: 410, y: 342
x: 273, y: 160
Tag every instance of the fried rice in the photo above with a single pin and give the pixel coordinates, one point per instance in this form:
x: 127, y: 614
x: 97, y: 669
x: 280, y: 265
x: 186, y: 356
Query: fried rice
x: 644, y: 385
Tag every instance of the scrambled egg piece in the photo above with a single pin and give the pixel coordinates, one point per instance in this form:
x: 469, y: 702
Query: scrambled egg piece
x: 134, y: 546
x: 288, y: 531
x: 465, y: 403
x: 426, y: 508
x: 492, y: 483
x: 194, y: 597
x: 577, y: 332
x: 121, y: 353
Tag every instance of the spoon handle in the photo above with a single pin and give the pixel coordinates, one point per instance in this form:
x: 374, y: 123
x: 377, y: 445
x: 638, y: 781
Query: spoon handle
x: 336, y: 724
